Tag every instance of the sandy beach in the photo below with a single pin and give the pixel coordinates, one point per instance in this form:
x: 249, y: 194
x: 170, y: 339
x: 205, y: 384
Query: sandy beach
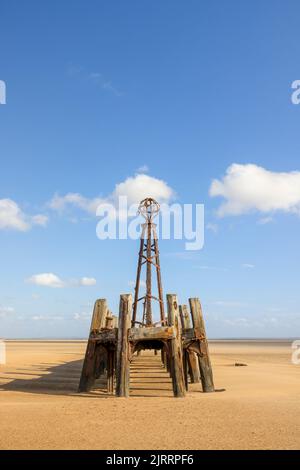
x: 41, y: 409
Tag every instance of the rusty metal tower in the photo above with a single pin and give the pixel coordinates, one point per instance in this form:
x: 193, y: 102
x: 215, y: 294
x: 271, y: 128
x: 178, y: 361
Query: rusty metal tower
x: 149, y: 256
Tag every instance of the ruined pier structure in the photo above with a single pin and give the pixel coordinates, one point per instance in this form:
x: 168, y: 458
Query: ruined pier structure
x: 182, y: 342
x: 180, y: 336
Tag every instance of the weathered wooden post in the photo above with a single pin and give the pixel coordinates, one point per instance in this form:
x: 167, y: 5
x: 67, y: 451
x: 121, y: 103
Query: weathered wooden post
x: 123, y: 364
x: 99, y: 315
x: 185, y: 359
x: 91, y: 362
x: 110, y: 356
x: 175, y: 349
x: 191, y: 357
x: 204, y: 360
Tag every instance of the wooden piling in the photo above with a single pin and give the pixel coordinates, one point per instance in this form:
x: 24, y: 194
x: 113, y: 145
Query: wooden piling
x: 99, y: 315
x: 190, y: 358
x: 184, y: 316
x: 204, y: 360
x: 109, y: 322
x: 91, y: 360
x: 176, y: 355
x: 123, y: 364
x: 193, y: 367
x: 186, y: 368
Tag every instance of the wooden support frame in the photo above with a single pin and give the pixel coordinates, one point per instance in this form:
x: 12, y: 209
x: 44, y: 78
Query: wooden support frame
x: 92, y: 356
x: 183, y: 344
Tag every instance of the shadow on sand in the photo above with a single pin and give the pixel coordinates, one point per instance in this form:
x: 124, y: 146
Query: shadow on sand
x: 60, y: 379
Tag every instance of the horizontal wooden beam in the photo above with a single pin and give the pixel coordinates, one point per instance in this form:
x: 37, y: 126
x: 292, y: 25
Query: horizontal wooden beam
x: 105, y: 336
x: 192, y: 334
x: 155, y: 332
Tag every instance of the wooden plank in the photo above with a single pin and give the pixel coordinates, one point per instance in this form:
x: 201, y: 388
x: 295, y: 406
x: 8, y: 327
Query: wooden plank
x: 155, y: 332
x: 204, y: 360
x: 176, y: 352
x: 123, y: 364
x: 91, y: 361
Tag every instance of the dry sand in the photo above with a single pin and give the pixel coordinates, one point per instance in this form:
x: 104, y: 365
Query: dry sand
x: 40, y: 409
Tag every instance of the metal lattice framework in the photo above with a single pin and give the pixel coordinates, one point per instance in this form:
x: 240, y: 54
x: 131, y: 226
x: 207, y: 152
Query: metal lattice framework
x: 149, y: 256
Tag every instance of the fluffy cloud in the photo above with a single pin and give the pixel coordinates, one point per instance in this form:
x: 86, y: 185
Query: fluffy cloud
x: 40, y: 219
x: 135, y: 188
x: 141, y: 186
x: 54, y: 281
x: 87, y: 281
x: 12, y: 217
x: 46, y: 280
x: 249, y: 187
x: 59, y: 203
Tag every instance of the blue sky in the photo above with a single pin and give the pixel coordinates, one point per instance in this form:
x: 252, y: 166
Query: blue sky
x: 95, y: 91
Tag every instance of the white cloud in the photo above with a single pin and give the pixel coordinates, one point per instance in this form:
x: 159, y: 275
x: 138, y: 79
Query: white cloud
x: 40, y: 219
x: 135, y: 188
x: 6, y: 311
x: 46, y: 280
x: 106, y: 85
x: 87, y: 281
x: 12, y: 217
x: 248, y: 266
x: 59, y: 203
x: 82, y: 316
x: 54, y: 281
x: 247, y: 188
x: 96, y: 77
x: 265, y: 220
x: 142, y: 169
x: 140, y: 186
